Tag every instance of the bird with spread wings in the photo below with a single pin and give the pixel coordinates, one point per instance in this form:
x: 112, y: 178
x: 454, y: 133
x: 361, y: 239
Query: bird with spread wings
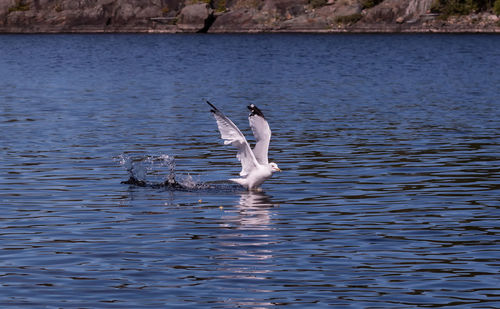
x: 255, y: 167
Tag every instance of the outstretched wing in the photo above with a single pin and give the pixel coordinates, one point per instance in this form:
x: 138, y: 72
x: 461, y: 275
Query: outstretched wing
x: 230, y: 133
x: 262, y: 134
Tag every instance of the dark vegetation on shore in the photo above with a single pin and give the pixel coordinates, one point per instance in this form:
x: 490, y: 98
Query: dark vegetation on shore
x: 464, y: 7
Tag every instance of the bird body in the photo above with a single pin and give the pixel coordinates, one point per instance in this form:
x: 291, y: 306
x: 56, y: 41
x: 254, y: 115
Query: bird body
x: 255, y: 168
x: 255, y: 178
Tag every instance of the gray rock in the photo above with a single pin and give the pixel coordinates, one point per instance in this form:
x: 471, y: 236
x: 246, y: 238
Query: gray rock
x: 284, y: 8
x: 386, y: 12
x: 347, y: 8
x: 236, y: 20
x: 194, y: 17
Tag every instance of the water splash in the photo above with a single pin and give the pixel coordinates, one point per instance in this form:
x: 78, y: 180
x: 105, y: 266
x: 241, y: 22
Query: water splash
x: 158, y: 171
x: 192, y: 183
x: 157, y: 166
x: 124, y: 161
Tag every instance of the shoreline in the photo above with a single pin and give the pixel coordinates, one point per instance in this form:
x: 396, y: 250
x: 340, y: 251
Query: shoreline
x: 258, y: 31
x: 374, y: 29
x: 243, y: 16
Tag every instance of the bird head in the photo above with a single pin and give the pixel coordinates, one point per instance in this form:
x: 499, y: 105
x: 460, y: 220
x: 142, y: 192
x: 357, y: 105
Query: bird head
x: 274, y: 167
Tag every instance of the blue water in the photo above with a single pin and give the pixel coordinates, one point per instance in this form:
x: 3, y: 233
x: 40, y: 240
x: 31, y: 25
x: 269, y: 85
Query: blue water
x: 389, y: 195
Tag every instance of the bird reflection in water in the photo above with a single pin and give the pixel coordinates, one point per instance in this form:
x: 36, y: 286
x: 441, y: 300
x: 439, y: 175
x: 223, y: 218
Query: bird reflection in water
x: 253, y: 212
x: 246, y: 248
x: 251, y: 218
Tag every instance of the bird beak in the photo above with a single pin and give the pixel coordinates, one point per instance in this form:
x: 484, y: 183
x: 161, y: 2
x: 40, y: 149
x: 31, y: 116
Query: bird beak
x: 278, y: 169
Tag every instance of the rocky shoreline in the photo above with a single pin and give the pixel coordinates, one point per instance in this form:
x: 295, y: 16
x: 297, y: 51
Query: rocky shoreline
x: 236, y: 16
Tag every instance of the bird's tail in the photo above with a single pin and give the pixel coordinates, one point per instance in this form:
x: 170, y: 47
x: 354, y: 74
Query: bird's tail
x: 240, y: 181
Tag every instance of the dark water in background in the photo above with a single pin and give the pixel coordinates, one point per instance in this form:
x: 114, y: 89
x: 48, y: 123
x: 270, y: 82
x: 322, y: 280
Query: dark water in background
x: 389, y: 195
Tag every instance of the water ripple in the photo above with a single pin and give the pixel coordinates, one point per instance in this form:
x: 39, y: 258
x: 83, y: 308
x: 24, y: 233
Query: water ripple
x: 388, y: 196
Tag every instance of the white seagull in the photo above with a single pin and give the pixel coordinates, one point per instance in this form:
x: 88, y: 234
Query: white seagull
x: 255, y: 168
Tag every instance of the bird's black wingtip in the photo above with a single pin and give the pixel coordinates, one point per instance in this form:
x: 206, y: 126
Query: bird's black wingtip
x: 214, y: 109
x: 254, y: 110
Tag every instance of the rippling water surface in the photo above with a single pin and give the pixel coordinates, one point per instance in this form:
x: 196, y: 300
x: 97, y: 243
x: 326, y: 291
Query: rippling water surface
x: 389, y: 195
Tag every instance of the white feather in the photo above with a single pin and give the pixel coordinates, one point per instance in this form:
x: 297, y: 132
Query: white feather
x: 230, y: 133
x: 262, y: 134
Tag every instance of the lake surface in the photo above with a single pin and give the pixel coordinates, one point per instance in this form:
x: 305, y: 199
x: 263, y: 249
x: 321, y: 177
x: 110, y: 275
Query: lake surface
x: 389, y: 195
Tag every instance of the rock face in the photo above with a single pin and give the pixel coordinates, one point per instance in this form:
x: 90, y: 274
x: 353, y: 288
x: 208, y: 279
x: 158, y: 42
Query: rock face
x: 234, y: 16
x: 196, y: 18
x: 80, y: 15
